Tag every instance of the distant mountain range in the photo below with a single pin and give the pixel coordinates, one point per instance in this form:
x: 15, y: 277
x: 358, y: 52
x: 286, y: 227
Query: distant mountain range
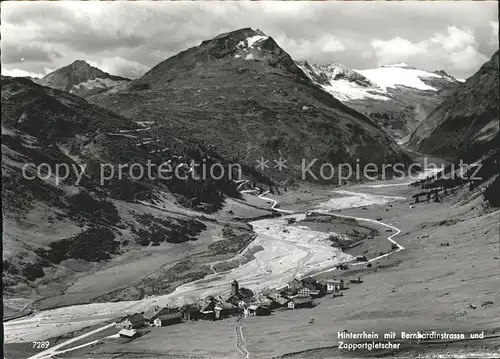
x: 80, y: 78
x: 396, y: 97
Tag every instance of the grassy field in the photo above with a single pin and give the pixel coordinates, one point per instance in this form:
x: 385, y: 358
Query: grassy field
x: 427, y: 286
x: 206, y: 340
x: 367, y: 239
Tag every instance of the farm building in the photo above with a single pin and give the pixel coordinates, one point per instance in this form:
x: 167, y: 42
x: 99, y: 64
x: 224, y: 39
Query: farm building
x: 309, y: 282
x: 277, y: 299
x: 338, y: 283
x: 207, y: 314
x: 168, y: 319
x: 208, y: 309
x: 316, y: 293
x: 316, y: 289
x: 209, y: 304
x: 131, y: 322
x: 127, y: 333
x: 294, y: 286
x: 357, y: 280
x: 267, y: 302
x: 301, y: 302
x: 258, y: 310
x: 225, y: 310
x: 304, y: 292
x: 331, y: 285
x: 156, y: 311
x: 190, y: 312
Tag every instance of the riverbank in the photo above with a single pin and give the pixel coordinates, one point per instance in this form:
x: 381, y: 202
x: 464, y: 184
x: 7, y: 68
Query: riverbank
x: 356, y: 238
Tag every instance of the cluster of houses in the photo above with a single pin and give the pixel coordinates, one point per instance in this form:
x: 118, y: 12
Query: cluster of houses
x: 241, y: 302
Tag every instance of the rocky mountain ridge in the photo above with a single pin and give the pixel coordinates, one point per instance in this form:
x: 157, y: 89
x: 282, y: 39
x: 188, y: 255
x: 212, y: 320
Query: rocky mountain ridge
x: 80, y: 78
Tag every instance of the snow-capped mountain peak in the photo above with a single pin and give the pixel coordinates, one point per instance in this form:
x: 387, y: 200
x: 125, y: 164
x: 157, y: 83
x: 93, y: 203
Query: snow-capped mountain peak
x: 80, y: 63
x: 396, y: 96
x: 347, y: 84
x: 342, y: 82
x: 250, y: 41
x: 394, y: 76
x: 249, y: 47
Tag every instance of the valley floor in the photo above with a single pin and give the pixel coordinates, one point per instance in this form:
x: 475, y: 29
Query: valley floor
x: 426, y: 286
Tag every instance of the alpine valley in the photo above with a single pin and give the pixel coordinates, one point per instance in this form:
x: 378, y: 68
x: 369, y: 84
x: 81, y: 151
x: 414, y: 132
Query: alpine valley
x: 416, y: 249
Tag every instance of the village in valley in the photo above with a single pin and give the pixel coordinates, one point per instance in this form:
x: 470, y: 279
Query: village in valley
x: 241, y: 302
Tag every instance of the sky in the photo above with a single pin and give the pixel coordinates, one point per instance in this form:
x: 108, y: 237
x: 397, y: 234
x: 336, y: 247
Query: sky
x: 128, y: 38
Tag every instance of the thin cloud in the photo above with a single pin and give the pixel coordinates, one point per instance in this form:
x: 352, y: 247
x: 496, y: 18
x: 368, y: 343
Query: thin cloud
x: 301, y: 49
x: 119, y: 65
x: 494, y: 32
x: 460, y: 48
x: 21, y: 73
x: 17, y: 53
x: 456, y: 50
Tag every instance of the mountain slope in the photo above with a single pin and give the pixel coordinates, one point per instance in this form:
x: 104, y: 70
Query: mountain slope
x: 396, y: 97
x: 81, y: 79
x: 466, y: 123
x: 244, y: 94
x: 58, y: 229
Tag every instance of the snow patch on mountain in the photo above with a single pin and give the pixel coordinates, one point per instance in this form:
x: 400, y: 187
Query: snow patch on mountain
x: 343, y: 83
x: 347, y: 84
x: 249, y: 48
x: 250, y: 41
x: 397, y: 97
x: 393, y: 76
x: 345, y: 90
